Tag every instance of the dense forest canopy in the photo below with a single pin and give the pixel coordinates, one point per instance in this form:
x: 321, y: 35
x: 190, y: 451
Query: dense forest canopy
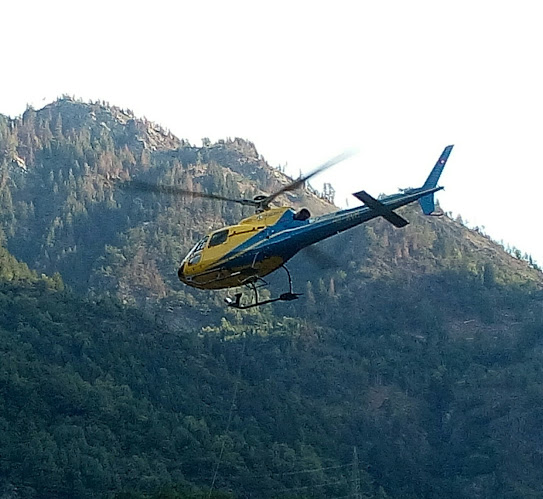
x: 410, y: 368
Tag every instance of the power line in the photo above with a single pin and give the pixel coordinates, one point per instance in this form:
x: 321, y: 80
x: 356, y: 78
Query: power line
x: 230, y: 414
x: 356, y: 475
x: 286, y: 473
x: 311, y: 470
x: 271, y: 474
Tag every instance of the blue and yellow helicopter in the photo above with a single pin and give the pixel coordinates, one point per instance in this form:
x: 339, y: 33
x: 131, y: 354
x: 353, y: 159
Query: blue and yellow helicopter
x: 245, y: 253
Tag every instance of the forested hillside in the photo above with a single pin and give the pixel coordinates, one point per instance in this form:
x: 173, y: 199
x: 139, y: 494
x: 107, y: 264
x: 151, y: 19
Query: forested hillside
x: 410, y: 368
x: 61, y: 167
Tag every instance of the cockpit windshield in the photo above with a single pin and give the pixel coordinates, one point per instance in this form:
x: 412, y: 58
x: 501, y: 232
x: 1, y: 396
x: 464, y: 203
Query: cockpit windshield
x: 195, y: 254
x: 199, y: 245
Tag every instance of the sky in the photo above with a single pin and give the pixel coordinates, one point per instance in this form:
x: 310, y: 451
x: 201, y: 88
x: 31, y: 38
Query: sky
x: 305, y: 80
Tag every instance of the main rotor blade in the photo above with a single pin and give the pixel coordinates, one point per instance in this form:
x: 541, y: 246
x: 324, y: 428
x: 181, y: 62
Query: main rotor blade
x: 178, y: 191
x: 300, y: 182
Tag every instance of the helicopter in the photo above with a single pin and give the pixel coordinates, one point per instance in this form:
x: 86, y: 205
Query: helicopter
x: 243, y: 254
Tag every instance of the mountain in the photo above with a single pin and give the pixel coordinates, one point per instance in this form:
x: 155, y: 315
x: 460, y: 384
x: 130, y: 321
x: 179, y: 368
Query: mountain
x: 64, y: 163
x: 415, y: 353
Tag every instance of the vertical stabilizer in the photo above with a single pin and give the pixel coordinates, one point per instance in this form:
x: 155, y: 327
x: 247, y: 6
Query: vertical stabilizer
x: 427, y: 203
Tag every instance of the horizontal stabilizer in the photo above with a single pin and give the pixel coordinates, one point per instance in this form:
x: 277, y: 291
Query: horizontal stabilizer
x: 381, y: 209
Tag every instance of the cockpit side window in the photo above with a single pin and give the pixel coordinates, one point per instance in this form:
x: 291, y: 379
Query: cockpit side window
x: 218, y: 238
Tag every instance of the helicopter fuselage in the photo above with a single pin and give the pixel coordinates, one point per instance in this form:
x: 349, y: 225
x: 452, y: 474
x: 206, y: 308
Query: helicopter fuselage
x: 258, y: 245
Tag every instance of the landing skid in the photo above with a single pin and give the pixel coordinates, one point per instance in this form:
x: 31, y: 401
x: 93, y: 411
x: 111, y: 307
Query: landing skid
x: 236, y: 301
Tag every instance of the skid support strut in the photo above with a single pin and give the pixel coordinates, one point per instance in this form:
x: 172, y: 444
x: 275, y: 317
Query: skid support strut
x: 288, y: 296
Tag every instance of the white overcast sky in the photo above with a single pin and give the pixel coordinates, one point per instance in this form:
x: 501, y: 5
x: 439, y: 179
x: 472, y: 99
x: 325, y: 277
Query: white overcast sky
x: 304, y: 80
